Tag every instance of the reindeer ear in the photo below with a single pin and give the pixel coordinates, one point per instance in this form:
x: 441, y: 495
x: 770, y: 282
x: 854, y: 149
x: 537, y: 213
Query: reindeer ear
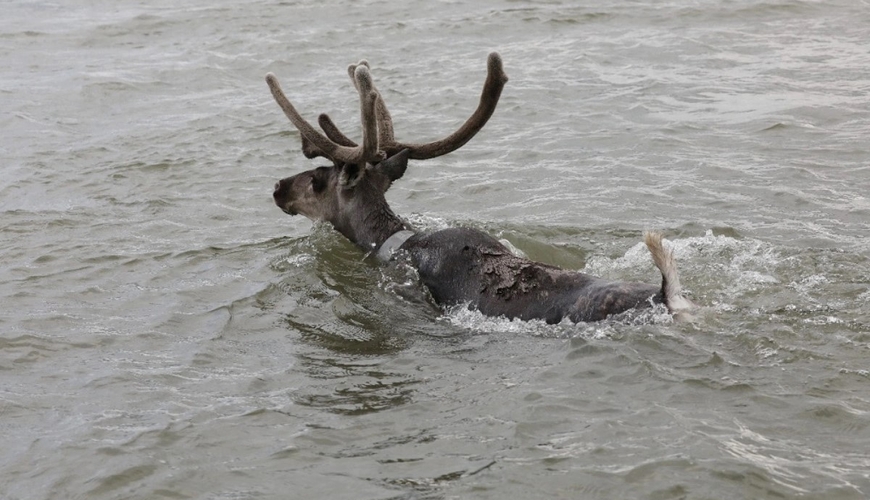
x: 394, y: 166
x: 351, y: 174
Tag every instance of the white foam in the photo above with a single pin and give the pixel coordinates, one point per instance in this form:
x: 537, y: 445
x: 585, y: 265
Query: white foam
x: 732, y: 266
x: 463, y: 317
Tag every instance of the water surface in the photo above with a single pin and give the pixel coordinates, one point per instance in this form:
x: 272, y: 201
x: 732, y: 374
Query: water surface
x: 167, y: 332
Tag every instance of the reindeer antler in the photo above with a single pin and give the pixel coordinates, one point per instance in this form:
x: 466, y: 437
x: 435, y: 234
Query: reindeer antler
x: 492, y: 87
x: 343, y: 151
x: 378, y: 136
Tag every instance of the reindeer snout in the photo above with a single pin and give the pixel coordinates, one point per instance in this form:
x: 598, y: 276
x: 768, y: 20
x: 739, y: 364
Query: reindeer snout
x: 280, y: 194
x: 281, y: 189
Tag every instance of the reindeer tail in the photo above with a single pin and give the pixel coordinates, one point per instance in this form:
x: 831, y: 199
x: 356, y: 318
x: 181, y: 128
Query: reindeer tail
x: 664, y: 260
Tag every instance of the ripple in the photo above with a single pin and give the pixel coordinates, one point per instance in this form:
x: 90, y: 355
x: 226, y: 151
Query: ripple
x: 167, y: 332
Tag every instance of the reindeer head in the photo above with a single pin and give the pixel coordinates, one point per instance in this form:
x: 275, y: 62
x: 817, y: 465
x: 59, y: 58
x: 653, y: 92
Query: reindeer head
x: 350, y: 193
x: 320, y: 193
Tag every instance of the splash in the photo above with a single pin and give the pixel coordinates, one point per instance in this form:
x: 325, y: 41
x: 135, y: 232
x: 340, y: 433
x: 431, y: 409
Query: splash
x: 462, y: 316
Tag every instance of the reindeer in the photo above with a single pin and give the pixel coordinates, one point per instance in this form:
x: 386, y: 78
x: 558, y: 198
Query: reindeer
x: 459, y: 266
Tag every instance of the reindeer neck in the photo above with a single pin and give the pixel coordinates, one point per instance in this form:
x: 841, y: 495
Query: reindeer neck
x: 369, y: 226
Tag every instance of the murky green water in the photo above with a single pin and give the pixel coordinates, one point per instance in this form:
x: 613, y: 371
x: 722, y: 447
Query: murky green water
x: 167, y: 332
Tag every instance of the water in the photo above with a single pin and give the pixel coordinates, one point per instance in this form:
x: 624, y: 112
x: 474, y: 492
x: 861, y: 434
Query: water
x: 167, y: 332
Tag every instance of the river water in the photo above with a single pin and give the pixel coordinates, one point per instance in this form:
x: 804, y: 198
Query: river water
x: 167, y: 332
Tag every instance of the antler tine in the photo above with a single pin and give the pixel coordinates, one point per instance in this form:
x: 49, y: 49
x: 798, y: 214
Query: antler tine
x: 314, y: 143
x: 351, y: 70
x: 333, y: 132
x: 369, y: 98
x: 386, y: 135
x: 492, y: 87
x: 385, y: 123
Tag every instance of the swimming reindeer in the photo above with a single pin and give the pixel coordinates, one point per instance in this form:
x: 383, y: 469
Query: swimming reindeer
x: 459, y: 266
